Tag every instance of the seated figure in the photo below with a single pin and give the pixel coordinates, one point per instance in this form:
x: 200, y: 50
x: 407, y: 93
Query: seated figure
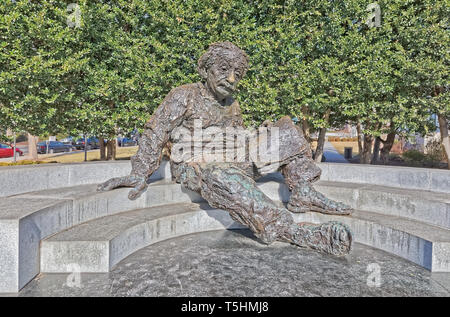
x: 230, y: 184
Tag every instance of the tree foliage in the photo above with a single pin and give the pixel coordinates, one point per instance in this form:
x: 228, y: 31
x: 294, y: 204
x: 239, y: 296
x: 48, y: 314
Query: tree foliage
x: 307, y: 59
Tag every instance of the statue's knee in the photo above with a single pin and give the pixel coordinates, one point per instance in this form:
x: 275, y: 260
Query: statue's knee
x: 313, y: 171
x: 301, y: 169
x: 188, y: 176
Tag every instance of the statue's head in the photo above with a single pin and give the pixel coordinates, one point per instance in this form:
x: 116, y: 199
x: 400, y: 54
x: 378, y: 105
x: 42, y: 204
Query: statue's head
x: 222, y: 67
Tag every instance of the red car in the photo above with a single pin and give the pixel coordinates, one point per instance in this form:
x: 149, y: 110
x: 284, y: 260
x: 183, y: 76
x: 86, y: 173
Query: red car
x: 7, y: 151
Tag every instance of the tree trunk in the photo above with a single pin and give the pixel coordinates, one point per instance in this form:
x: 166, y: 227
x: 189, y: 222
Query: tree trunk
x: 360, y: 138
x: 376, y: 150
x: 111, y: 147
x: 32, y: 147
x: 305, y: 125
x: 108, y: 150
x: 445, y: 140
x: 15, y: 148
x: 366, y: 154
x: 114, y: 149
x: 102, y: 149
x: 387, y: 146
x: 320, y: 143
x: 321, y: 139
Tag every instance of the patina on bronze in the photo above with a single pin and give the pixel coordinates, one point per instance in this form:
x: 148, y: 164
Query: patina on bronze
x: 231, y: 185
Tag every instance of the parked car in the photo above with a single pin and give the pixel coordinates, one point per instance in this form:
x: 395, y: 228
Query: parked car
x: 53, y: 147
x: 126, y: 142
x: 92, y: 143
x: 8, y: 151
x: 69, y: 140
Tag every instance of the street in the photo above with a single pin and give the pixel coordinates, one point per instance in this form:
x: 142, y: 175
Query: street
x: 24, y: 149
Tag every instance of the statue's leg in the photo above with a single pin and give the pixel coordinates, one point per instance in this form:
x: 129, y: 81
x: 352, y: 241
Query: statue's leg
x: 300, y: 171
x: 228, y: 187
x: 299, y: 174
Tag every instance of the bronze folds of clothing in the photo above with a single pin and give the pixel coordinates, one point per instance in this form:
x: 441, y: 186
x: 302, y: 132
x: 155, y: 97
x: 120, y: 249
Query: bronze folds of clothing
x: 230, y: 184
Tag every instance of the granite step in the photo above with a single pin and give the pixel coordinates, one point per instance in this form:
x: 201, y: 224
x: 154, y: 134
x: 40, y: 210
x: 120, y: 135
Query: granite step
x: 418, y: 242
x: 98, y: 245
x: 26, y: 219
x: 429, y: 207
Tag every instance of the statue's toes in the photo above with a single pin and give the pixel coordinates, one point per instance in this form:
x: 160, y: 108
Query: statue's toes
x: 336, y: 208
x: 297, y: 208
x: 343, y: 209
x: 325, y: 206
x: 332, y: 237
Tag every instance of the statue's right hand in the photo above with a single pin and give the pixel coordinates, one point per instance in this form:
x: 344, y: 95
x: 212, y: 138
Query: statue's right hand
x: 139, y: 184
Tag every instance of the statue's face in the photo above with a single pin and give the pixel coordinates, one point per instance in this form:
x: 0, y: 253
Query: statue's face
x: 223, y: 77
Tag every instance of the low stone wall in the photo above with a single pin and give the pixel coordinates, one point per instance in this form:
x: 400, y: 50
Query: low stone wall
x: 22, y: 179
x: 437, y: 180
x: 399, y: 216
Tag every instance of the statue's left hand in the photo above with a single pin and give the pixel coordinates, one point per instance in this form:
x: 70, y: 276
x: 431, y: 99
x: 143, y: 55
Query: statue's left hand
x: 139, y: 184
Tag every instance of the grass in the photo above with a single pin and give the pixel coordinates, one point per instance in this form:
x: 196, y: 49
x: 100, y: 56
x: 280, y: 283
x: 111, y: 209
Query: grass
x: 122, y: 154
x: 126, y: 152
x: 24, y: 162
x: 341, y: 145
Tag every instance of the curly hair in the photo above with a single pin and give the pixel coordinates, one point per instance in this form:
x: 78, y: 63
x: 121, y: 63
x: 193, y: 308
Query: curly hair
x: 218, y: 50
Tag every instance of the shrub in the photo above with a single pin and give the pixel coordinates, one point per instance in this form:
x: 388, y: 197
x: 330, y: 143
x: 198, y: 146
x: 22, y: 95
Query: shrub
x: 24, y: 162
x: 414, y: 156
x: 434, y: 150
x: 22, y: 138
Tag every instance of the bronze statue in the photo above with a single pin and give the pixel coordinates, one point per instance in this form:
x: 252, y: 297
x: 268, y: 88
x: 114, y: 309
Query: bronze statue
x: 230, y: 185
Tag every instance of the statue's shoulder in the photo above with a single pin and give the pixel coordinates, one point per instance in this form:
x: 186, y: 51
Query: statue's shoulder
x: 180, y: 97
x: 185, y: 90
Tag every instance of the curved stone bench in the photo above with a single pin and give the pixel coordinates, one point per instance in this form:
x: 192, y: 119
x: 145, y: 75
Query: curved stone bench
x: 436, y: 180
x: 425, y: 245
x: 27, y: 219
x: 428, y: 207
x: 98, y: 245
x: 398, y: 217
x: 22, y: 179
x: 16, y: 180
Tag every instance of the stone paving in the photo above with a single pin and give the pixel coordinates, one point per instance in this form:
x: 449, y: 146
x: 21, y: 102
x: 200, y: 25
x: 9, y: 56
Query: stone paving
x: 332, y: 155
x: 234, y: 263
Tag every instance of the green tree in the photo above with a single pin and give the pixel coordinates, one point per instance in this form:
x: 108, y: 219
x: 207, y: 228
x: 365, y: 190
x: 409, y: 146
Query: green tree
x: 315, y: 60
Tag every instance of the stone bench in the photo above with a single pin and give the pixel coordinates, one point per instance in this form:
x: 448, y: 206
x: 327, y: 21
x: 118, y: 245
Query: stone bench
x: 395, y: 217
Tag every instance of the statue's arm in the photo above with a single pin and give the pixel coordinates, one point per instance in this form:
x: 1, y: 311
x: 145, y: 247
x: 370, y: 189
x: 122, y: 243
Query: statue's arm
x: 157, y: 132
x: 155, y: 136
x: 237, y: 114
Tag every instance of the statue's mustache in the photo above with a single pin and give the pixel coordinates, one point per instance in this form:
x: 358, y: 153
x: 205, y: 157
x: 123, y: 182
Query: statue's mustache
x: 226, y: 86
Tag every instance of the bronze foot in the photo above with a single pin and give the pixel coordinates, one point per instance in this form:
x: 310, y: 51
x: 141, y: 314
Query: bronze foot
x: 332, y: 237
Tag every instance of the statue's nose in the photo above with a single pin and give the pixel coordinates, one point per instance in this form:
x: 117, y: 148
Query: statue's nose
x: 231, y: 79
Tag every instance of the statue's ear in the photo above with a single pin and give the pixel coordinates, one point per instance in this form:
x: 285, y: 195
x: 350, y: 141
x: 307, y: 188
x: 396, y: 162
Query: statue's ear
x: 203, y: 71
